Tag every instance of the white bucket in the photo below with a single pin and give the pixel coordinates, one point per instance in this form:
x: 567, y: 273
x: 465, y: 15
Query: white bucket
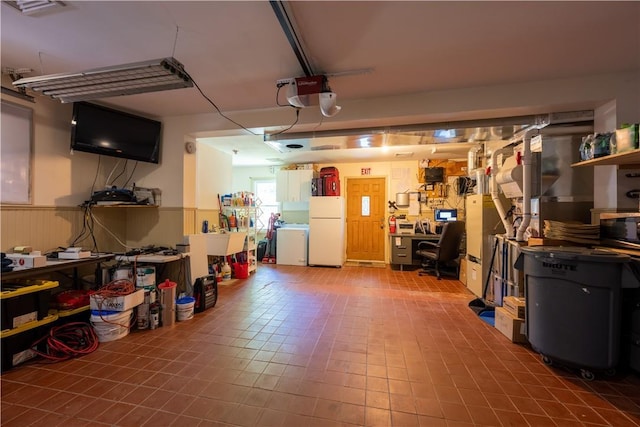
x: 184, y: 308
x: 146, y: 277
x: 111, y: 325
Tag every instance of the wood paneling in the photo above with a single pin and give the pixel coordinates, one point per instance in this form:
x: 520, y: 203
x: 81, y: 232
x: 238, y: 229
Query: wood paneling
x: 211, y: 215
x: 25, y: 226
x: 47, y: 228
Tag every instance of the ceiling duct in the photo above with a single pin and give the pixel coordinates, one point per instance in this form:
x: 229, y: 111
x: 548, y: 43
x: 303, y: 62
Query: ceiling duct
x: 29, y: 7
x: 503, y: 128
x: 127, y: 79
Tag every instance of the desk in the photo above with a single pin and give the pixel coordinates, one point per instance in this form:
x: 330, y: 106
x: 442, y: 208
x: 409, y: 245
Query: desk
x: 404, y: 247
x: 55, y: 266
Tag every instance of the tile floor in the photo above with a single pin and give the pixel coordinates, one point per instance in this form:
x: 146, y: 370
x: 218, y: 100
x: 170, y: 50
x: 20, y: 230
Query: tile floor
x: 297, y: 346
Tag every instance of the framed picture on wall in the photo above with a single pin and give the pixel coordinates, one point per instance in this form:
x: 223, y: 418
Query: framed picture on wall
x: 16, y: 146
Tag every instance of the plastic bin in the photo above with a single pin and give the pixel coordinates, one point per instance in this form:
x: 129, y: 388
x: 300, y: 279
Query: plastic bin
x: 240, y: 271
x: 17, y: 342
x: 80, y: 314
x: 574, y: 304
x: 630, y: 345
x: 25, y: 302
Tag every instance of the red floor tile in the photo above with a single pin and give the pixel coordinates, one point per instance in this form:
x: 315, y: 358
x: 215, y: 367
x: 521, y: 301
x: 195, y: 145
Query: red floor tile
x: 319, y: 347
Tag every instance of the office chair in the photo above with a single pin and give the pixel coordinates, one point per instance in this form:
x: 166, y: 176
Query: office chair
x: 434, y: 255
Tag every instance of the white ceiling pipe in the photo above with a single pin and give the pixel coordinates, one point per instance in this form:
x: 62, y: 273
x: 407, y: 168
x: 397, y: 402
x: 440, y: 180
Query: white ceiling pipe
x: 495, y: 193
x: 527, y: 161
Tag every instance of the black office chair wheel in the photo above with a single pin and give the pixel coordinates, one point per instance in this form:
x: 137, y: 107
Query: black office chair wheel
x: 587, y: 375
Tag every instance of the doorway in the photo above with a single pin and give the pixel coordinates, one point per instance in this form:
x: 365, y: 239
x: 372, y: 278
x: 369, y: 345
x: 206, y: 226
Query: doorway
x: 365, y: 219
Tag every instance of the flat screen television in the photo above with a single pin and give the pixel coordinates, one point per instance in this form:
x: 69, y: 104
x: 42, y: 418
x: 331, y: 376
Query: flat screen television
x: 101, y: 130
x: 443, y: 215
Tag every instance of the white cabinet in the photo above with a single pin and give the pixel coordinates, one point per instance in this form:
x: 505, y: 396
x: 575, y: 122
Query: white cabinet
x: 294, y: 185
x: 247, y: 222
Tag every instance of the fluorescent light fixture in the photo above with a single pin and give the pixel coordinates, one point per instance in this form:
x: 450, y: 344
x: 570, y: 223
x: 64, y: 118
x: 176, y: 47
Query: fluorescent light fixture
x: 127, y: 79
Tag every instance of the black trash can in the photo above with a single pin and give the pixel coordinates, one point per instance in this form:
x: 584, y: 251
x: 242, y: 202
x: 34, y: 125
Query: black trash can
x: 574, y: 303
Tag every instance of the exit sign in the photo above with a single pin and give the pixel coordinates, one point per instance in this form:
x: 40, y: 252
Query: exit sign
x: 365, y: 171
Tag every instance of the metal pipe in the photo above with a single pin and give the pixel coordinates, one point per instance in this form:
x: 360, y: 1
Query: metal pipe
x: 495, y: 194
x: 527, y: 161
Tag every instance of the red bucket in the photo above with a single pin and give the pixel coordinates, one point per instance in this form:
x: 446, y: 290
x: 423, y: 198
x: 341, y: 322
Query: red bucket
x: 241, y: 271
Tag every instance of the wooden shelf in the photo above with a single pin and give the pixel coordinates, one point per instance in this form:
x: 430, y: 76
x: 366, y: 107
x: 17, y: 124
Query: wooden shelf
x: 628, y: 158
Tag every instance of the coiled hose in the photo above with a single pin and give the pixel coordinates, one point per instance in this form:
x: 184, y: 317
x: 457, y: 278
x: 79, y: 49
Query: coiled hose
x: 67, y: 341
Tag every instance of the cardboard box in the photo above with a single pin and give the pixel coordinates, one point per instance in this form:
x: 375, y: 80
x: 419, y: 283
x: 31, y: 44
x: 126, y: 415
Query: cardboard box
x: 515, y: 306
x: 23, y: 261
x: 626, y: 139
x: 74, y: 255
x: 123, y: 303
x: 511, y: 327
x: 543, y: 241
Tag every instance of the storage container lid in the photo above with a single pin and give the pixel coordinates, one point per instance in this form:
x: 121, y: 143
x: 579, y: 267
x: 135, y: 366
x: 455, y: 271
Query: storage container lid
x: 52, y: 317
x: 73, y: 311
x: 167, y: 284
x: 576, y: 253
x: 15, y: 290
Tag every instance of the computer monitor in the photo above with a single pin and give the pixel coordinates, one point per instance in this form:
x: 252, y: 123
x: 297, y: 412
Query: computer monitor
x: 443, y: 215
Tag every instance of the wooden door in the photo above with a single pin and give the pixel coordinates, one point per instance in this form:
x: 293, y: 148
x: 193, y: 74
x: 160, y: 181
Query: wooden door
x: 365, y: 219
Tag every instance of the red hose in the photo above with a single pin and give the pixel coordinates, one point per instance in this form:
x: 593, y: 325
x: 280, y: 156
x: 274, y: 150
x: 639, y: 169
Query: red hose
x: 67, y: 341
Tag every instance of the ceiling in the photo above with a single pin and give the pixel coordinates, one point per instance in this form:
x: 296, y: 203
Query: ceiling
x: 236, y: 50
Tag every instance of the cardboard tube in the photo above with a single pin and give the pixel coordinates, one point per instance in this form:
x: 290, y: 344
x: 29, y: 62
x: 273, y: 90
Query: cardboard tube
x: 168, y: 302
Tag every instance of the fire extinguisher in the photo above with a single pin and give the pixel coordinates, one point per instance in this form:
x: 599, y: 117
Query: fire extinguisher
x: 392, y: 224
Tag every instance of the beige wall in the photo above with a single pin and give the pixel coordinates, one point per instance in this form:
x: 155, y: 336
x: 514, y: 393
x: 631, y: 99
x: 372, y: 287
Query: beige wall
x: 63, y: 181
x: 213, y: 176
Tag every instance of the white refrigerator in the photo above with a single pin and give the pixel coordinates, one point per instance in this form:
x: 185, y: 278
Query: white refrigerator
x: 326, y: 231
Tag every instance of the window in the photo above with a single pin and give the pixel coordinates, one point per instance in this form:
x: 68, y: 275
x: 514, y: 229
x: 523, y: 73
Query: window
x: 265, y: 191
